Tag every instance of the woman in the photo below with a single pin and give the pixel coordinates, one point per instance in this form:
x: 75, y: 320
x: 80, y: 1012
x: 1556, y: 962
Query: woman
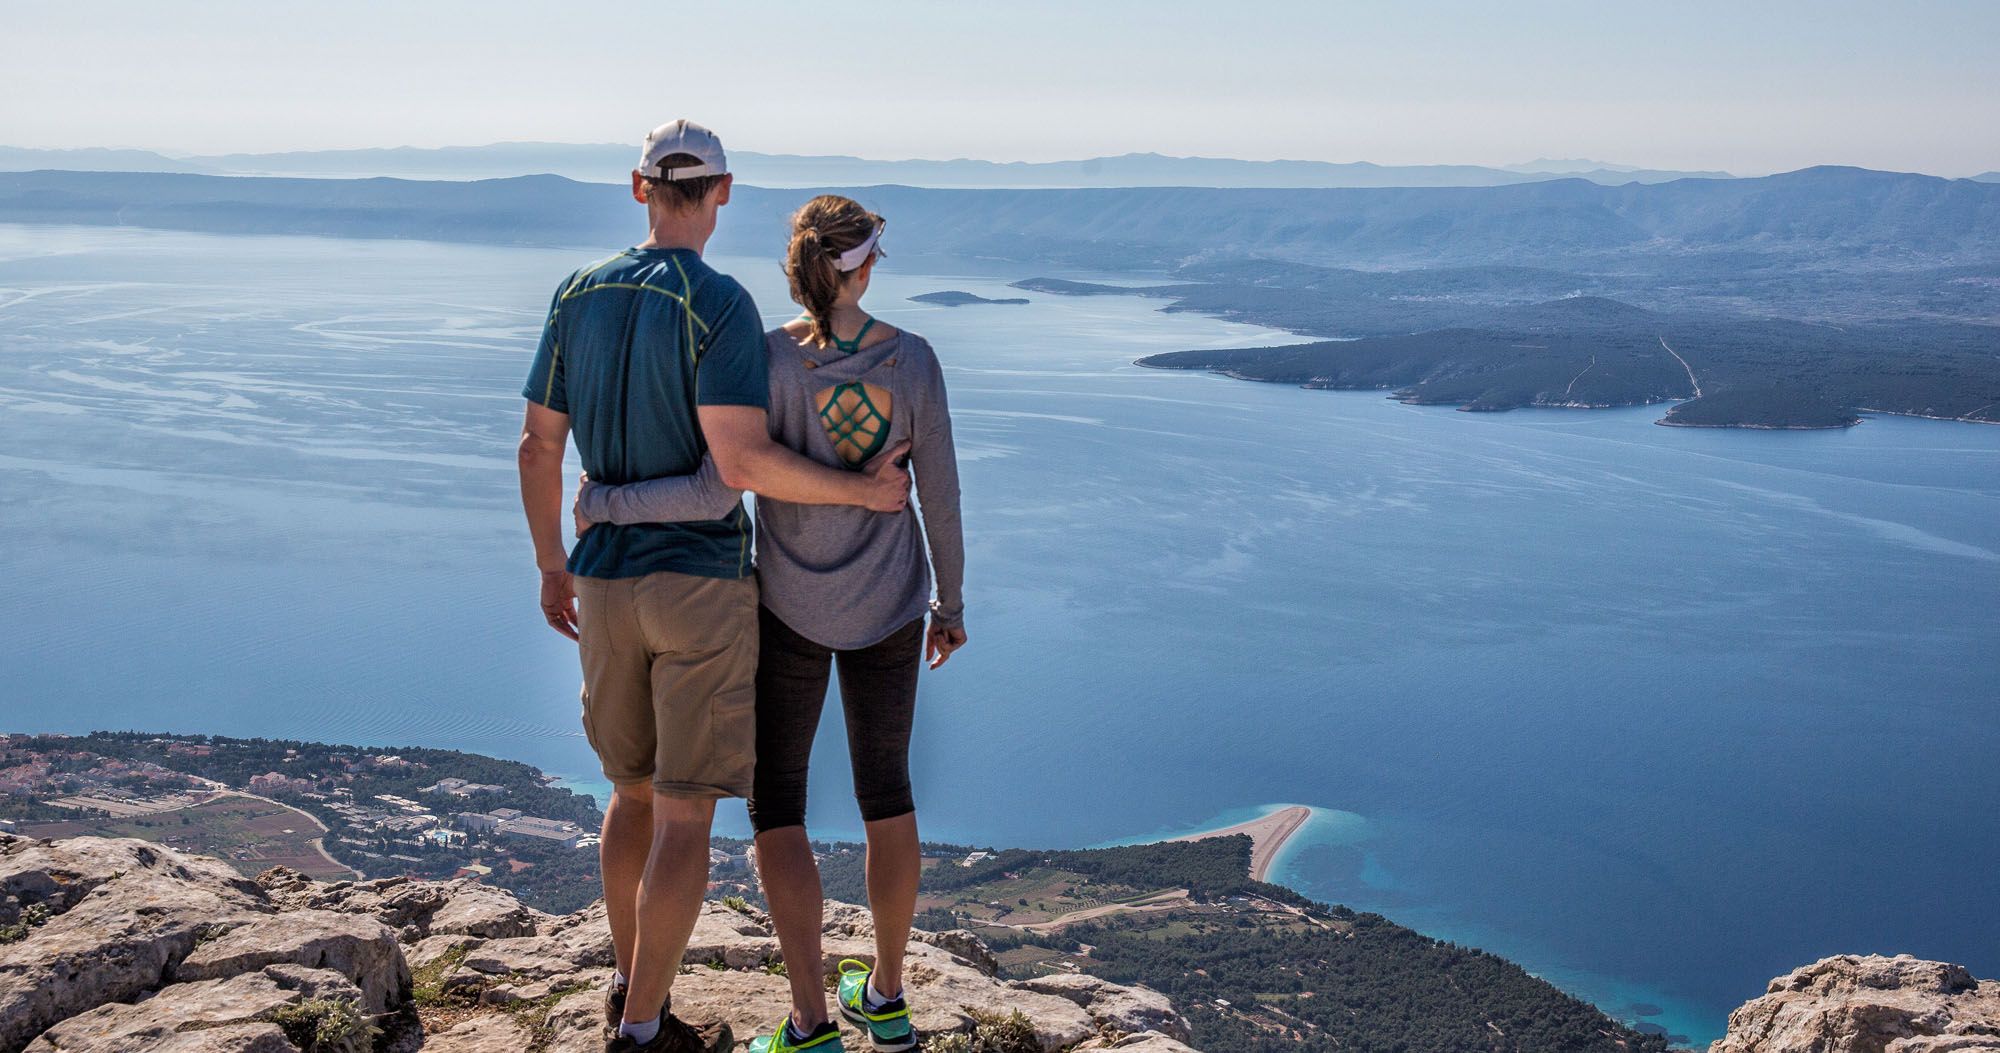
x: 842, y: 588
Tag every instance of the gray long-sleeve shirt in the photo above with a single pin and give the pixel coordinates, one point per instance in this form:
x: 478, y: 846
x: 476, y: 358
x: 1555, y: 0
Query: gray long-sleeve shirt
x: 842, y: 576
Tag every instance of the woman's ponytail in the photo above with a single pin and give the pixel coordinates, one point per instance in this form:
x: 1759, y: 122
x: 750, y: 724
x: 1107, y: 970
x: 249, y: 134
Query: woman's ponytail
x: 822, y: 229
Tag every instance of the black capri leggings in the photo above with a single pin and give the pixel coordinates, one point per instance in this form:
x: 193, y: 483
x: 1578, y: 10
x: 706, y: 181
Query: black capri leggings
x: 878, y: 689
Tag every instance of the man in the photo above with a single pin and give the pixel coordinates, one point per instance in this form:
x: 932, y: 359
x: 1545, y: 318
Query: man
x: 649, y: 358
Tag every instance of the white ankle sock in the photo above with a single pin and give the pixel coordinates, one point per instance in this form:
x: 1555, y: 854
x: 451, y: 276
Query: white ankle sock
x: 872, y: 999
x: 618, y: 979
x: 641, y: 1033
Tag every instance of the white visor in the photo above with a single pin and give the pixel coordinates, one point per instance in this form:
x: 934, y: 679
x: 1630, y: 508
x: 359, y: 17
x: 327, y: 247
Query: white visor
x: 853, y: 258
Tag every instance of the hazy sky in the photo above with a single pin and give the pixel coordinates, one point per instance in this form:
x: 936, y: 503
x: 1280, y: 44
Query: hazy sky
x: 1746, y: 85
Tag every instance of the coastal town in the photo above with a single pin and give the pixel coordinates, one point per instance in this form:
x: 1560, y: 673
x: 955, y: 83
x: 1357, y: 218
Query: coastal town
x: 329, y: 811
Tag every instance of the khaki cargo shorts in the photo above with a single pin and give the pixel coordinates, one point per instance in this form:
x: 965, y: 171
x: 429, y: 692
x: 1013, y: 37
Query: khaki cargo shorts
x: 670, y: 680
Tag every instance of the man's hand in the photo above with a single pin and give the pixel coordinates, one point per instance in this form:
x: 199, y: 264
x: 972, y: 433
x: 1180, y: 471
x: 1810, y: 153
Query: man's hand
x: 583, y: 522
x: 889, y: 489
x: 559, y: 601
x: 940, y: 642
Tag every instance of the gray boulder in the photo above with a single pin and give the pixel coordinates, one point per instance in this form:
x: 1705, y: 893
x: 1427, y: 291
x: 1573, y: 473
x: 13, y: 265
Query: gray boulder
x: 1869, y: 1004
x: 491, y: 1033
x: 357, y: 947
x: 1114, y: 1007
x: 120, y: 915
x: 184, y: 1011
x: 481, y: 910
x: 964, y: 943
x: 1144, y: 1042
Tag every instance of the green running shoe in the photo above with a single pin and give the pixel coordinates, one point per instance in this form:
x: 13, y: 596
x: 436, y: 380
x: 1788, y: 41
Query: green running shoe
x: 888, y: 1024
x: 825, y: 1038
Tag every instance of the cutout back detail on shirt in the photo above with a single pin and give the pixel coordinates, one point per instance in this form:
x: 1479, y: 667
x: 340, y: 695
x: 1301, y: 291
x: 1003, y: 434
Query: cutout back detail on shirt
x: 856, y: 417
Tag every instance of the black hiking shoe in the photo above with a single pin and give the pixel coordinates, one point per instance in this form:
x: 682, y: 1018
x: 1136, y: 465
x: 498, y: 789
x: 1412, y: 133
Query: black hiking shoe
x: 678, y: 1036
x: 614, y: 1007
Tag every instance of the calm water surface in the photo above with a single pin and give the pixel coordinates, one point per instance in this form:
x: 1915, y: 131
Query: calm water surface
x: 1660, y: 713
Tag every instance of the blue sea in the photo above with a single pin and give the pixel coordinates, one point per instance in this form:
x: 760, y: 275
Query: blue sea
x: 1659, y: 713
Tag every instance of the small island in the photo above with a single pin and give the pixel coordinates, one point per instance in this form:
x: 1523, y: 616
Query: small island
x: 960, y: 298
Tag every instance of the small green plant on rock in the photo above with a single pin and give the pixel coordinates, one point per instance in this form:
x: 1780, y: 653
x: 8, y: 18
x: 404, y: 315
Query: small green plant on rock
x: 325, y: 1025
x: 991, y: 1033
x: 533, y: 1013
x: 33, y: 916
x: 427, y: 985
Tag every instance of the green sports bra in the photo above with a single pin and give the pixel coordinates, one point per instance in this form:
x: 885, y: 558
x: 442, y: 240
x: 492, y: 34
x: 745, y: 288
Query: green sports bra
x: 860, y: 424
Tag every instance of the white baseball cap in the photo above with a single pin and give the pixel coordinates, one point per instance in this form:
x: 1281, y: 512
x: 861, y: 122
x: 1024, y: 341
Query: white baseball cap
x: 682, y: 137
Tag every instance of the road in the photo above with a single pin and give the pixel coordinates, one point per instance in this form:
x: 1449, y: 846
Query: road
x: 1692, y: 382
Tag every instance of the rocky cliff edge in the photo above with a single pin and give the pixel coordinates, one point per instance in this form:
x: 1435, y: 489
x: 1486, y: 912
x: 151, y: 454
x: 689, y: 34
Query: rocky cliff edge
x: 120, y: 944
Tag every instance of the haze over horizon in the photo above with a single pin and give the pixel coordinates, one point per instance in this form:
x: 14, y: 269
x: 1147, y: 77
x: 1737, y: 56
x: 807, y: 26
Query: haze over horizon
x: 1452, y: 83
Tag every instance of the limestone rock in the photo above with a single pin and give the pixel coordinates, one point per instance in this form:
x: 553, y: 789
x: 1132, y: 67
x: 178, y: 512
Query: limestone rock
x: 431, y: 948
x: 482, y: 910
x: 1869, y: 1004
x: 183, y: 1010
x: 122, y: 913
x: 230, y: 1038
x: 945, y: 992
x: 723, y: 936
x: 583, y: 937
x: 576, y: 1023
x: 144, y: 948
x: 322, y: 984
x: 1114, y: 1007
x: 1143, y: 1042
x: 401, y: 903
x: 415, y: 909
x: 965, y: 944
x: 357, y: 947
x: 846, y: 919
x: 490, y: 1033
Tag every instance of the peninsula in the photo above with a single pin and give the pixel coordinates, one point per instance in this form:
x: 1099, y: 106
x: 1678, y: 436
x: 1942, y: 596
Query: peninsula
x: 1268, y: 834
x: 1440, y: 338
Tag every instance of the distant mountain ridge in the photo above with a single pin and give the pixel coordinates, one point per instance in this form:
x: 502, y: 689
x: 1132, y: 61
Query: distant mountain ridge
x: 1830, y: 217
x: 608, y: 163
x: 93, y: 159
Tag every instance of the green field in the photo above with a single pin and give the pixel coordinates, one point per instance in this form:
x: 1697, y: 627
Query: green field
x: 252, y: 835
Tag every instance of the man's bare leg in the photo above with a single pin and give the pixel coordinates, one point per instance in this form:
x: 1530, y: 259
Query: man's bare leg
x: 790, y: 876
x: 626, y: 841
x: 669, y: 901
x: 894, y: 866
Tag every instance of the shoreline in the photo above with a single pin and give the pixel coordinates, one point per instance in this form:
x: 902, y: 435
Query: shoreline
x: 1268, y: 835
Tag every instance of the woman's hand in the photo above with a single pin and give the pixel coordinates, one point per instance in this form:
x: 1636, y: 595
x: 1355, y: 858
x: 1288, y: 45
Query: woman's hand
x: 940, y: 642
x: 576, y: 507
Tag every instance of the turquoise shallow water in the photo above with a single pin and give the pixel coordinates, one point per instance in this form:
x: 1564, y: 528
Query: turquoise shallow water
x: 1660, y: 713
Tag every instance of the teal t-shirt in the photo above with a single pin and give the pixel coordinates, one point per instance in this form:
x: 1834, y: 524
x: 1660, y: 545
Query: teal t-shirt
x: 633, y: 344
